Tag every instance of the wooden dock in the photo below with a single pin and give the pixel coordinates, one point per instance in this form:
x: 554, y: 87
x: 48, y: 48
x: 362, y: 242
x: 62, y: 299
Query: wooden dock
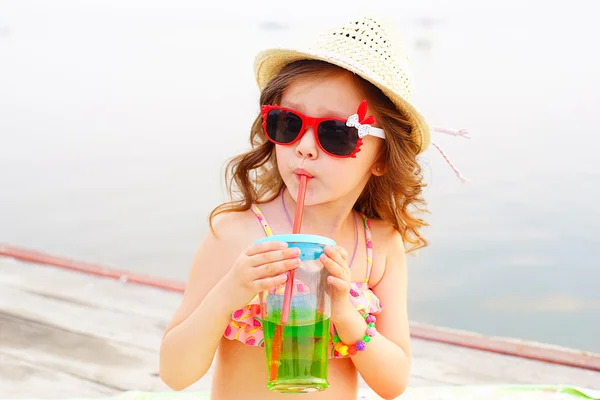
x: 65, y: 333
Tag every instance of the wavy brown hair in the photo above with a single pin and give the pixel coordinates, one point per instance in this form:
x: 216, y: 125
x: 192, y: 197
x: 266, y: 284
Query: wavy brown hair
x: 395, y: 197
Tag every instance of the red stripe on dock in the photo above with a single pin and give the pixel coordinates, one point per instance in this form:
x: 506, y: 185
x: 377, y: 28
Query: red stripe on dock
x: 530, y: 350
x: 513, y: 347
x: 93, y: 269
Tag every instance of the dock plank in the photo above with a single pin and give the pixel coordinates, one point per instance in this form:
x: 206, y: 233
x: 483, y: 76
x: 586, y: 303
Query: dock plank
x: 19, y: 377
x: 61, y: 312
x: 454, y: 365
x: 90, y: 358
x: 63, y: 328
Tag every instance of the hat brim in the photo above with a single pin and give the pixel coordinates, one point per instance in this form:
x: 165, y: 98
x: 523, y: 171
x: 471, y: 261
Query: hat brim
x: 269, y: 63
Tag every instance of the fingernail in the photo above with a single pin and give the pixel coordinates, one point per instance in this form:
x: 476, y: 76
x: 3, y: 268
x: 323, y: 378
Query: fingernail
x: 283, y: 245
x: 296, y: 251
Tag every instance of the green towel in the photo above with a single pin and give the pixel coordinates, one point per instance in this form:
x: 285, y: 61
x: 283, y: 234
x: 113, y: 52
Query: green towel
x: 533, y: 392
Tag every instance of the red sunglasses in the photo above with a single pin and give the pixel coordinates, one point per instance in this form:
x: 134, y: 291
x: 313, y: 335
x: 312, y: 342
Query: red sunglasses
x: 336, y: 137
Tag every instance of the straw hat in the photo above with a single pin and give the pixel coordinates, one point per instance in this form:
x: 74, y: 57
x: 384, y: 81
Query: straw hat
x: 367, y: 46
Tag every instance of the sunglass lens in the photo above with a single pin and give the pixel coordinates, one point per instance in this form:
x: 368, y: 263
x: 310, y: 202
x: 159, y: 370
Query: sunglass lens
x: 283, y: 126
x: 337, y: 138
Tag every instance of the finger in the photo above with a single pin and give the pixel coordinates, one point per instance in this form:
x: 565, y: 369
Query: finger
x: 263, y: 247
x: 273, y: 256
x: 268, y: 283
x: 335, y: 255
x: 334, y: 268
x: 339, y: 284
x: 275, y: 268
x: 342, y: 252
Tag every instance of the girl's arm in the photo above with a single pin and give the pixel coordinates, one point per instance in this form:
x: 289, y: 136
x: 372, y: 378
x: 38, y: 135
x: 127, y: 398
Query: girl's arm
x: 385, y: 363
x: 192, y: 337
x: 225, y: 275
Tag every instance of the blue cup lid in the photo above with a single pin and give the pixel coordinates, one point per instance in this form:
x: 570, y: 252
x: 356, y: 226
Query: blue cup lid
x: 298, y: 238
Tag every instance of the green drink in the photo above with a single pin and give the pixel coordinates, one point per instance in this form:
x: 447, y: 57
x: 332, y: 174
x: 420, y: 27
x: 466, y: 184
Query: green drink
x: 303, y: 359
x: 296, y: 323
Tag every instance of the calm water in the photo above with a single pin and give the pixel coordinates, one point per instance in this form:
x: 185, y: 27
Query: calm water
x: 115, y: 121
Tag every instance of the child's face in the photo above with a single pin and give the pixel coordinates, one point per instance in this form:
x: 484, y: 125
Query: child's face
x: 333, y: 178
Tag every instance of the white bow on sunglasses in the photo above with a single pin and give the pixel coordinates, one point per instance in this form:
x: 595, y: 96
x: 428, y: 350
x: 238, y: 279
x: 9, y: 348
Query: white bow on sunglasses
x: 364, y: 129
x: 362, y: 124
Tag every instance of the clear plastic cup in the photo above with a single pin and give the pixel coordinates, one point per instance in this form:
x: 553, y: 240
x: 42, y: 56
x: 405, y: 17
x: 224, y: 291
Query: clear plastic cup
x: 297, y: 352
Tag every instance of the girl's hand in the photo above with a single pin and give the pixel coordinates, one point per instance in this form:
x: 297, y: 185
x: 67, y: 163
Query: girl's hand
x: 260, y: 267
x: 335, y: 259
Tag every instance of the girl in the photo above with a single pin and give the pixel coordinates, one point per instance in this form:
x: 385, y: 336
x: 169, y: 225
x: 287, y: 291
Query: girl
x: 364, y: 185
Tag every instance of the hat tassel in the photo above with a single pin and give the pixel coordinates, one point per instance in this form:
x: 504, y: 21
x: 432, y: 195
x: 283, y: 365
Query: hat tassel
x: 460, y: 133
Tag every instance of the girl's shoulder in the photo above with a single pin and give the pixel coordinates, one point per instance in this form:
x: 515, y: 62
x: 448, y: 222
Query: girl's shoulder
x: 241, y: 227
x: 385, y: 235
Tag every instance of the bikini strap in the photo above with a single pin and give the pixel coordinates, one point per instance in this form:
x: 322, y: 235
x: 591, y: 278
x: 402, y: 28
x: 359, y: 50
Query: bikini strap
x: 261, y: 218
x: 369, y: 245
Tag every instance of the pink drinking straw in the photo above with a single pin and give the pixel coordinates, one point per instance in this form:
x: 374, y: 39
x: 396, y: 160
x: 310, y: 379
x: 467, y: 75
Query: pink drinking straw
x: 289, y: 286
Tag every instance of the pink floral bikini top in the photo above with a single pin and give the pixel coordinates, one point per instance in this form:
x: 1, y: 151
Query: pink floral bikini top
x: 246, y: 326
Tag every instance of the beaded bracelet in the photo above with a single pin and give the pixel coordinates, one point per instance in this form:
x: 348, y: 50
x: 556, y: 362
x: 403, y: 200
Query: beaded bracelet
x: 352, y: 349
